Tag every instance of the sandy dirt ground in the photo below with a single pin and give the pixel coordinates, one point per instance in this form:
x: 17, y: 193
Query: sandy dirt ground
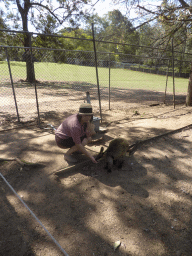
x: 146, y: 205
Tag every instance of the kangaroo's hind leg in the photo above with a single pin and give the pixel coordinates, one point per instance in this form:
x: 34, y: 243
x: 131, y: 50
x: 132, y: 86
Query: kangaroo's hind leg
x: 120, y: 162
x: 109, y: 163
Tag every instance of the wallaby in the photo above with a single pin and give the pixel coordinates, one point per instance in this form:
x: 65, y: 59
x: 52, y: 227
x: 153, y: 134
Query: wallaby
x: 114, y: 154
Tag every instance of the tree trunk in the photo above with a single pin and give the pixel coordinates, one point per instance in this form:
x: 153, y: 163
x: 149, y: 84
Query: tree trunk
x: 30, y: 71
x: 29, y: 59
x: 189, y: 92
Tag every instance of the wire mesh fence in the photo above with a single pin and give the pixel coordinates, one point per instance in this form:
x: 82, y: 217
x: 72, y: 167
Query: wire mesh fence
x: 62, y: 77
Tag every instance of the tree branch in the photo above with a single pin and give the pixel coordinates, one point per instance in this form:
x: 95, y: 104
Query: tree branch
x: 147, y: 10
x: 47, y: 8
x: 19, y: 6
x: 145, y: 23
x: 69, y: 13
x: 183, y: 3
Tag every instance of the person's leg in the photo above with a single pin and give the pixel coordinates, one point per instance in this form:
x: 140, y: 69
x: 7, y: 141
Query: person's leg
x: 66, y: 143
x: 68, y: 157
x: 84, y: 142
x: 74, y: 148
x: 71, y: 150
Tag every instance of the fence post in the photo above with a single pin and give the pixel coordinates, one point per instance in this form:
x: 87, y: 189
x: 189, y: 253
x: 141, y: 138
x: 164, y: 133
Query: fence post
x: 166, y: 81
x: 37, y: 104
x: 12, y: 84
x: 96, y: 70
x: 109, y: 80
x: 173, y: 74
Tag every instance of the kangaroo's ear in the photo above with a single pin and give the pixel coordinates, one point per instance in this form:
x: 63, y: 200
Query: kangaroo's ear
x: 101, y: 150
x: 101, y: 153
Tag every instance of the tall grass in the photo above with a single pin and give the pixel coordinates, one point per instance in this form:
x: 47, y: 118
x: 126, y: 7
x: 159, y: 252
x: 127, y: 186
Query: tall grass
x: 119, y: 78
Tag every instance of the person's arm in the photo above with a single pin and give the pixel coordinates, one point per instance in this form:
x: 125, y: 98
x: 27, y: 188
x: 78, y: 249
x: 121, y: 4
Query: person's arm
x: 85, y: 152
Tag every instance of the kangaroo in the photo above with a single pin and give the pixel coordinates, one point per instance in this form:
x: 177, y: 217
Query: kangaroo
x: 114, y: 154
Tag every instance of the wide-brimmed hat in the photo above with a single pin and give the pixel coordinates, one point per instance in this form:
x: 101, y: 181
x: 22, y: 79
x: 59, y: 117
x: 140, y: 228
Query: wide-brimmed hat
x: 85, y: 109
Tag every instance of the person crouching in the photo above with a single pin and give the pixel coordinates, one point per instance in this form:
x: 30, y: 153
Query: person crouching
x: 75, y: 132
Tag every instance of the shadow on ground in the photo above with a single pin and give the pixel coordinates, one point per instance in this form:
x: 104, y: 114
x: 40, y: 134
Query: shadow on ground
x: 146, y: 205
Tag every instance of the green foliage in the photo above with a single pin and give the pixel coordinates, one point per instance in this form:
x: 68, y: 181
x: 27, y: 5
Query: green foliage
x: 114, y: 27
x: 2, y: 39
x: 79, y: 45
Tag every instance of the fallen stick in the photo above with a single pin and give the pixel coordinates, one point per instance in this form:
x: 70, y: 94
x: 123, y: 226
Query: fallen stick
x: 18, y: 127
x: 12, y: 159
x: 22, y: 163
x: 136, y: 145
x: 72, y: 168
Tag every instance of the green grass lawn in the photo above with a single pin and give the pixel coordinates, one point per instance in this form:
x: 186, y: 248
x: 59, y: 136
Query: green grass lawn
x: 119, y: 78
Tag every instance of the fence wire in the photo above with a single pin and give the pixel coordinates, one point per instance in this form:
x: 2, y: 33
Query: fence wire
x: 63, y: 78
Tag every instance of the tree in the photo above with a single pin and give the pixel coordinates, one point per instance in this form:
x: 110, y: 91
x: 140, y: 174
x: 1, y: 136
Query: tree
x: 114, y: 27
x: 2, y: 26
x: 2, y: 39
x: 31, y: 10
x: 175, y: 17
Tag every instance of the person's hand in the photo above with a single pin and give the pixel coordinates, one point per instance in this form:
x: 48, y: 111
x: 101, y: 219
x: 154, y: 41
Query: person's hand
x: 93, y: 160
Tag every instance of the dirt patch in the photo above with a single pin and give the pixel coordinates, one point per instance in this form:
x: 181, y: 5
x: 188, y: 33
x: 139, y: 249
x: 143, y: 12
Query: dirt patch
x: 146, y: 205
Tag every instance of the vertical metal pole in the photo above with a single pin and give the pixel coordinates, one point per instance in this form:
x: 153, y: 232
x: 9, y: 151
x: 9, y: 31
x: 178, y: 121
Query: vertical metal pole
x: 37, y: 104
x: 96, y: 70
x: 173, y: 74
x: 12, y: 85
x: 166, y: 81
x: 109, y: 81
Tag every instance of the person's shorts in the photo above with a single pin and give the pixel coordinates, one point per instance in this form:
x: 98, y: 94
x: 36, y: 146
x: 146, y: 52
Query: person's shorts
x: 66, y: 143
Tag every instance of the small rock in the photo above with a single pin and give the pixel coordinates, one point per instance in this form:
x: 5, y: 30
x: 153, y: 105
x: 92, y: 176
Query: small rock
x: 116, y: 245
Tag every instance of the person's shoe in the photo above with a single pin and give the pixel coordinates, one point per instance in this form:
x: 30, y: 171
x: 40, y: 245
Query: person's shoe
x: 70, y: 159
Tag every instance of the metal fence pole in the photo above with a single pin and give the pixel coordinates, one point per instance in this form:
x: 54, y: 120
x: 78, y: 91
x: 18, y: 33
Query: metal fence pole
x: 109, y: 81
x: 166, y: 81
x: 14, y: 95
x: 96, y: 70
x: 173, y: 74
x: 37, y: 104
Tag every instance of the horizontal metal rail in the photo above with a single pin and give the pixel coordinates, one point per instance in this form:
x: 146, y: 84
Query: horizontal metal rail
x: 86, y: 39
